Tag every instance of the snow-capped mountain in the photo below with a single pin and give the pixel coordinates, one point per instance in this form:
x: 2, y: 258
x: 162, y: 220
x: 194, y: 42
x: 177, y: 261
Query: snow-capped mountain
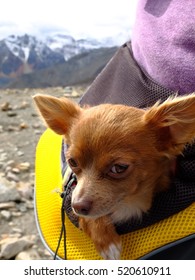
x: 69, y: 47
x: 26, y: 54
x: 22, y: 46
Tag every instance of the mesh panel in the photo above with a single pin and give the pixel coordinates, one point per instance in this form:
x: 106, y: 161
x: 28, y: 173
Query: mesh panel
x: 123, y: 82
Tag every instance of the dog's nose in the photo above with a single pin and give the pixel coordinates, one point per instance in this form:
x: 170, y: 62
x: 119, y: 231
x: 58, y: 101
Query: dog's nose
x: 82, y: 207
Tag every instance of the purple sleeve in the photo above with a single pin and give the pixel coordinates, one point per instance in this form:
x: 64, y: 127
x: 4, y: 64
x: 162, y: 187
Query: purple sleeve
x: 163, y: 42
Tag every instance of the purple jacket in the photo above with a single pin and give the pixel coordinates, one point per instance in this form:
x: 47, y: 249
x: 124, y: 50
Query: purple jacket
x: 163, y: 42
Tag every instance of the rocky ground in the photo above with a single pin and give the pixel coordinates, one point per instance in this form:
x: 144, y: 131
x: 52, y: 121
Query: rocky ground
x: 20, y: 129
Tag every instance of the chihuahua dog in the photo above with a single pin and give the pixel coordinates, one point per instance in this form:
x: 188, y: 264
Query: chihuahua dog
x: 121, y: 155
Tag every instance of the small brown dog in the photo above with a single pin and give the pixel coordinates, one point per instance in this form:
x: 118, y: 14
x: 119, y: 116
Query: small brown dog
x: 121, y: 156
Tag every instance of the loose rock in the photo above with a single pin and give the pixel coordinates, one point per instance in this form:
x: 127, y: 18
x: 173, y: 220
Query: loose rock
x: 12, y: 177
x: 20, y: 153
x: 7, y: 205
x: 5, y: 214
x: 24, y: 166
x: 30, y: 254
x: 15, y: 170
x: 11, y: 128
x: 8, y: 192
x: 23, y: 125
x: 10, y: 247
x: 25, y: 189
x: 3, y: 156
x: 6, y: 106
x: 11, y: 114
x: 24, y: 105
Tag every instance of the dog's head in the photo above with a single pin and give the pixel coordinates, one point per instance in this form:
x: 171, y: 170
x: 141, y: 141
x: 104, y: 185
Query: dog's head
x: 121, y: 155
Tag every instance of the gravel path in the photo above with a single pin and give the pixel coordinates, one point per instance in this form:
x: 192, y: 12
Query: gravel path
x: 20, y: 129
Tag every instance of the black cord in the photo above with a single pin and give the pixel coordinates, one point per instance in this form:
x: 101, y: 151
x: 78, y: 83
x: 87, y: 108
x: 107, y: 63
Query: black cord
x: 63, y: 228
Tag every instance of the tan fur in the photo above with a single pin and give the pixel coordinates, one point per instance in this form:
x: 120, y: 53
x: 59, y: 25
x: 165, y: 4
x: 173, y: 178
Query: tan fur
x: 104, y: 137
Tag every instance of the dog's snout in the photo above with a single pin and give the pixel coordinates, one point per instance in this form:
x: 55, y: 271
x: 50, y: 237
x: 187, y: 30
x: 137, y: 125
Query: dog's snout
x: 82, y: 207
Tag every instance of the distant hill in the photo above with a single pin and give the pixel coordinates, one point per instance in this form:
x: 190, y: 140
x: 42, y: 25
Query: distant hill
x: 28, y: 61
x: 80, y: 69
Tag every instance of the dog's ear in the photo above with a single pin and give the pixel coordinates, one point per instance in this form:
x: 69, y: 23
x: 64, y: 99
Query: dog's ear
x: 58, y: 113
x: 173, y: 122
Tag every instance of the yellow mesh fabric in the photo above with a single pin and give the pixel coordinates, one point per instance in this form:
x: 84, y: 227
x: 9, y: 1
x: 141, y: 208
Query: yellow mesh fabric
x: 79, y: 246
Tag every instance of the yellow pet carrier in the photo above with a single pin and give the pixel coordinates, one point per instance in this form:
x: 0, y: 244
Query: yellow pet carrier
x: 138, y: 244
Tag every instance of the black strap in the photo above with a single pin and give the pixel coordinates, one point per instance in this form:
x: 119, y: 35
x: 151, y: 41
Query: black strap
x: 64, y: 195
x: 63, y: 229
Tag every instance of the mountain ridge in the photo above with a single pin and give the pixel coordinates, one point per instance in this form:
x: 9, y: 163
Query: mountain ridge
x: 21, y: 57
x: 80, y: 69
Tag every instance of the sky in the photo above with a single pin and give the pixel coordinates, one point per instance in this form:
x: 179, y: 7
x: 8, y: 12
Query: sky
x: 78, y: 18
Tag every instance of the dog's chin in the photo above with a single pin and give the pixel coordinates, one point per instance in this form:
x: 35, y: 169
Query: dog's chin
x: 118, y: 217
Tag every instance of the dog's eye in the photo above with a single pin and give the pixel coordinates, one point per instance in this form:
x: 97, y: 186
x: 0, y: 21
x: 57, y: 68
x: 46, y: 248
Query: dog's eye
x: 72, y: 162
x: 118, y: 171
x: 118, y: 168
